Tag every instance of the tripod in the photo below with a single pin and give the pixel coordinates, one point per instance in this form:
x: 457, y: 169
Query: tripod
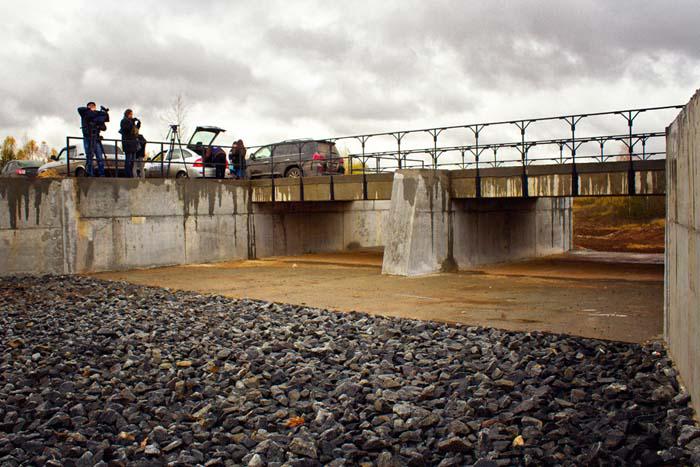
x: 173, y: 138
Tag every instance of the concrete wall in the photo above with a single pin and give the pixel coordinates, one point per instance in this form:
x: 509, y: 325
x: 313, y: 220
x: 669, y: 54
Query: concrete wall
x: 428, y: 231
x: 87, y: 225
x: 682, y: 304
x: 31, y: 226
x: 90, y: 225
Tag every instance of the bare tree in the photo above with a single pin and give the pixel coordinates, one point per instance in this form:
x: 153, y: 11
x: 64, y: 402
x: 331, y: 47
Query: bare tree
x: 176, y: 114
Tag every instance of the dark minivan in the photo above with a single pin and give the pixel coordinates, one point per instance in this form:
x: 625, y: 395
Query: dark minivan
x: 295, y: 158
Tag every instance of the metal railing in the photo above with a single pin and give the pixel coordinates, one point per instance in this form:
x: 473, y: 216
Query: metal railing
x: 473, y: 146
x: 475, y: 134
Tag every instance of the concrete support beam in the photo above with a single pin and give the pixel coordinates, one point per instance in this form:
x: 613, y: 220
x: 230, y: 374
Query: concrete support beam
x: 419, y: 237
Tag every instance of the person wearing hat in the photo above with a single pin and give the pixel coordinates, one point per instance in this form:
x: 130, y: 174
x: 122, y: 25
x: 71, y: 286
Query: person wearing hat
x: 129, y: 129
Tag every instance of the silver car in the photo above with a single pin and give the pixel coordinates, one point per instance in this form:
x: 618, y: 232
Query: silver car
x: 178, y: 163
x: 185, y: 160
x: 114, y: 158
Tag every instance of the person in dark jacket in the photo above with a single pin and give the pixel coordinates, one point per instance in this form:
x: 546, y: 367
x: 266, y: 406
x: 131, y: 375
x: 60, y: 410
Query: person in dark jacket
x: 237, y: 158
x: 215, y: 157
x: 92, y: 123
x: 139, y: 163
x: 129, y: 129
x: 219, y: 157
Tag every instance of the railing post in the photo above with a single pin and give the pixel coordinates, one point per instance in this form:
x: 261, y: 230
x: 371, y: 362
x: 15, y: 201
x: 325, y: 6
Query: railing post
x: 272, y: 173
x: 631, y: 185
x: 68, y: 173
x: 477, y: 182
x: 301, y: 170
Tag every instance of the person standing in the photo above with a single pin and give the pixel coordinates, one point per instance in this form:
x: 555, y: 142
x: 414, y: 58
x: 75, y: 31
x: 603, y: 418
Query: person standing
x: 129, y: 129
x: 237, y: 158
x: 92, y: 123
x: 139, y: 163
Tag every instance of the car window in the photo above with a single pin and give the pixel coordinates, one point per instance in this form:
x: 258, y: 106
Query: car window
x: 62, y: 155
x: 109, y: 149
x: 286, y: 149
x: 202, y: 137
x: 262, y: 153
x: 9, y: 168
x: 175, y: 154
x: 305, y: 147
x: 323, y: 148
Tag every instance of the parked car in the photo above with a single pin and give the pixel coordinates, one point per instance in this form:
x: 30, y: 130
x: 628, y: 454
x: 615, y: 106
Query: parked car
x: 295, y: 158
x: 114, y: 161
x: 186, y: 160
x: 21, y: 168
x: 178, y: 163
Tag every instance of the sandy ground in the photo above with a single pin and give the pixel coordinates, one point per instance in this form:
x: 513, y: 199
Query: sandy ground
x: 617, y: 296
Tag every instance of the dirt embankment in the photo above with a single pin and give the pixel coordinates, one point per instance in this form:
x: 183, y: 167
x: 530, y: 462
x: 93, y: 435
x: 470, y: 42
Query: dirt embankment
x: 630, y: 224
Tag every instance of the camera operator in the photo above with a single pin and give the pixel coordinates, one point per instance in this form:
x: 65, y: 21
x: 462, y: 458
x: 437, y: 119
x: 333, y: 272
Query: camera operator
x: 129, y: 129
x: 92, y: 123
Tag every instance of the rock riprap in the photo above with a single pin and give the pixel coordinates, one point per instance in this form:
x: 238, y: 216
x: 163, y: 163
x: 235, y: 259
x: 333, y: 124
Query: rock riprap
x: 108, y: 373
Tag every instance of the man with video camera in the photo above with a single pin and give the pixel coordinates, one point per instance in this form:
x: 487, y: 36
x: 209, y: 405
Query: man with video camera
x: 92, y: 123
x: 129, y: 128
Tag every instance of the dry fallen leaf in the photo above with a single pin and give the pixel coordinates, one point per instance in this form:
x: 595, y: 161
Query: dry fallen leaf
x: 16, y: 343
x: 144, y: 443
x: 126, y: 436
x: 518, y: 441
x: 294, y: 422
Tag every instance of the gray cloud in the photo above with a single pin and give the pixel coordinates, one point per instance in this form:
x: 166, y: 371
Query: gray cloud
x: 274, y: 69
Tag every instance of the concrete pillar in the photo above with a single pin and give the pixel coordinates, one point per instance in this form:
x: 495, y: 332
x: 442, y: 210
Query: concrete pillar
x: 418, y: 239
x: 682, y: 274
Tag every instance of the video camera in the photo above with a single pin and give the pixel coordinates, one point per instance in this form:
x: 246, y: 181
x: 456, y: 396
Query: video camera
x: 104, y: 109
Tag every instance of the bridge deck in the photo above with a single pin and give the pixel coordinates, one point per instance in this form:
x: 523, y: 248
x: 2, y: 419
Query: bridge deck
x: 562, y: 180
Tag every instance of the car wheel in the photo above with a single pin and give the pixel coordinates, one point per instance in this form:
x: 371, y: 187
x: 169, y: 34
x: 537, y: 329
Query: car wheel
x: 293, y: 172
x: 80, y: 172
x: 181, y: 175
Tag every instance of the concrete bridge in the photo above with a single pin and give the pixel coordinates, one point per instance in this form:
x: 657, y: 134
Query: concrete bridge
x: 440, y: 220
x: 425, y: 220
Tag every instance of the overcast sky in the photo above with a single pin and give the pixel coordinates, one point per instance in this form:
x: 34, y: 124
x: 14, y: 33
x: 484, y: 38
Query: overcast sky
x: 271, y: 70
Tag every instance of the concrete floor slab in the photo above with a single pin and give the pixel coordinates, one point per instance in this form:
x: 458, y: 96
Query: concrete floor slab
x: 614, y: 296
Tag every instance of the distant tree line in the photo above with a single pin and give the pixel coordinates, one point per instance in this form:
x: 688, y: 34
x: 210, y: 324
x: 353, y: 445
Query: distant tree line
x: 11, y: 150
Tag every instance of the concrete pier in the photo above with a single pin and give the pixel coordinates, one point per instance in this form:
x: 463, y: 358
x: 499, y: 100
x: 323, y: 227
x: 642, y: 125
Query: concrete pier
x: 428, y: 231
